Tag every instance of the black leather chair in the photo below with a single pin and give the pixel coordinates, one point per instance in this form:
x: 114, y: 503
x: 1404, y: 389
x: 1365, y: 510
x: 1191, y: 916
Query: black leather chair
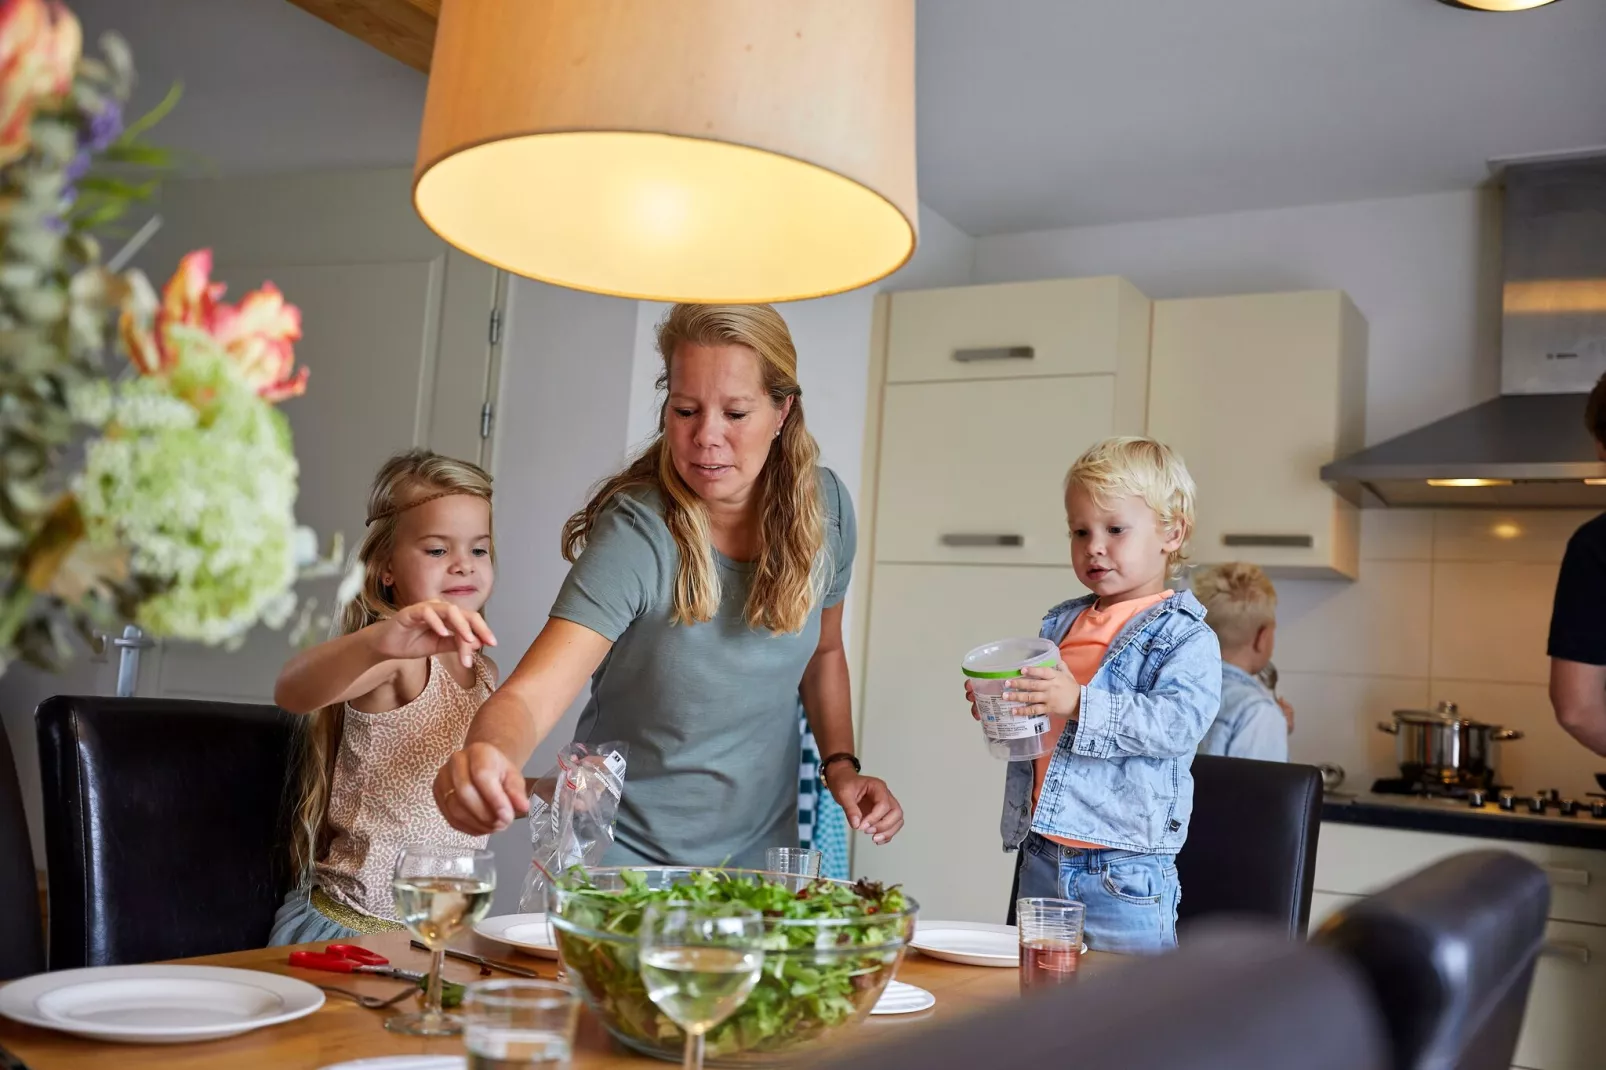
x: 1251, y: 846
x: 166, y: 826
x: 22, y: 935
x: 1450, y: 952
x: 1234, y: 997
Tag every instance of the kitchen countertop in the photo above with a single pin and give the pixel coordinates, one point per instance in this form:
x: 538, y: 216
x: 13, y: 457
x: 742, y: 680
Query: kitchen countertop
x: 1457, y: 818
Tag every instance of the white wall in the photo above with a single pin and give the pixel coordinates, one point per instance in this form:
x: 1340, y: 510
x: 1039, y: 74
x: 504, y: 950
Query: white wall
x: 566, y: 364
x: 1449, y: 605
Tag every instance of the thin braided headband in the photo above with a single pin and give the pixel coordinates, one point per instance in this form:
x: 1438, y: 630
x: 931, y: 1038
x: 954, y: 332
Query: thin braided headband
x: 415, y: 503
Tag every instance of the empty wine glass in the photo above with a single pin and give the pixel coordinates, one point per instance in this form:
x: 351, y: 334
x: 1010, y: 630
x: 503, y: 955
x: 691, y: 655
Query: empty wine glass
x: 699, y: 962
x: 440, y: 891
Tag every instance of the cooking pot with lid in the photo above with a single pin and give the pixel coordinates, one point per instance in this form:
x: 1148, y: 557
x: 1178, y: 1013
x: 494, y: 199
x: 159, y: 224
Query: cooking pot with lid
x: 1441, y: 745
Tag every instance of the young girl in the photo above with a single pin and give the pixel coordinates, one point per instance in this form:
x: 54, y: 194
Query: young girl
x: 391, y: 698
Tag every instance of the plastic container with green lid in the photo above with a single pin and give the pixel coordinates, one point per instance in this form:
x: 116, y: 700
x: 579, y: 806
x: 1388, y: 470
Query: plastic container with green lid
x: 990, y: 668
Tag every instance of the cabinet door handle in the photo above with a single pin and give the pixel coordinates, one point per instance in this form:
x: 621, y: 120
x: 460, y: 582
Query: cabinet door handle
x: 969, y: 539
x: 1298, y: 542
x: 1577, y: 878
x: 966, y: 356
x: 1562, y: 949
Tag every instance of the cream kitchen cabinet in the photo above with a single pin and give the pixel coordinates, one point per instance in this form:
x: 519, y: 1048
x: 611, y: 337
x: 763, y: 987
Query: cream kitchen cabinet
x: 1023, y: 330
x: 972, y: 471
x: 918, y: 734
x: 1258, y: 392
x: 1563, y: 1028
x: 980, y: 399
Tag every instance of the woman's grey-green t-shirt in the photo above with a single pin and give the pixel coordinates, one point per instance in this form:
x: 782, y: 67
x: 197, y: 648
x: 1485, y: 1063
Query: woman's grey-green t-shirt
x: 710, y: 710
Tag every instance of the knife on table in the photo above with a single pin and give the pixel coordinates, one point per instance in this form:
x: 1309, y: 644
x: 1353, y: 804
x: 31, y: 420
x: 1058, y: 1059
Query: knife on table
x: 480, y: 960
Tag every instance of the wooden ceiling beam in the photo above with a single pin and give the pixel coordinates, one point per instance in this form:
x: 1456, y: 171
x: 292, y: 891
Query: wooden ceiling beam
x: 401, y: 29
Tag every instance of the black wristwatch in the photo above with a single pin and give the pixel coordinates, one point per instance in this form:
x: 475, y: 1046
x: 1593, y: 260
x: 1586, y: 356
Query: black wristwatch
x: 839, y: 756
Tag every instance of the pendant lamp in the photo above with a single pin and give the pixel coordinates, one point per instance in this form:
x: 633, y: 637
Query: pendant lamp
x: 674, y: 150
x: 1497, y: 5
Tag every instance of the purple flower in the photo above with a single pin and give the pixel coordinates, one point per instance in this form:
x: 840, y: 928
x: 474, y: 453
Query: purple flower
x: 104, y: 127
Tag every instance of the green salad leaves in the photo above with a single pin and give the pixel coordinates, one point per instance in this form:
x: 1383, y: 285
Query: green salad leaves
x: 827, y: 955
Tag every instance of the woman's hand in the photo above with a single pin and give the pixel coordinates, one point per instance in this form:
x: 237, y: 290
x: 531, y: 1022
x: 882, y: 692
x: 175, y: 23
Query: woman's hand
x: 1288, y: 713
x: 479, y: 790
x: 1046, y: 689
x: 427, y: 628
x: 970, y: 697
x: 868, y: 802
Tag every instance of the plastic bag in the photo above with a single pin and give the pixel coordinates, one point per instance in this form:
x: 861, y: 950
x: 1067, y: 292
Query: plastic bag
x: 572, y: 811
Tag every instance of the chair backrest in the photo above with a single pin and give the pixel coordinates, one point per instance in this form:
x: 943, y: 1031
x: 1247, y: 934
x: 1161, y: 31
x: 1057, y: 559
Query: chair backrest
x: 166, y: 829
x: 1450, y: 952
x: 22, y: 936
x: 1235, y: 997
x: 1251, y: 847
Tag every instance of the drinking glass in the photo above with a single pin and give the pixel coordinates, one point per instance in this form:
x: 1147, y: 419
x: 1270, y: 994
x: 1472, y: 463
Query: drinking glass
x: 699, y: 962
x: 800, y: 864
x: 519, y: 1025
x: 440, y: 891
x: 1050, y: 940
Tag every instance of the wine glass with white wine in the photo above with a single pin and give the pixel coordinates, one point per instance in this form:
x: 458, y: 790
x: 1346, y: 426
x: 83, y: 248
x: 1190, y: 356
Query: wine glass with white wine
x: 699, y: 962
x: 440, y: 891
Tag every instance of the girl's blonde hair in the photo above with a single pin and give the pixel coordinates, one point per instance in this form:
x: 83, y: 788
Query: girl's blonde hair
x: 1132, y: 466
x: 406, y: 480
x: 791, y: 517
x: 1239, y: 600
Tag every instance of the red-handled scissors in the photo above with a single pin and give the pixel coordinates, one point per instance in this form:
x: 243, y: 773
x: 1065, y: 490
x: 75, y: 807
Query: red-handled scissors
x: 349, y: 958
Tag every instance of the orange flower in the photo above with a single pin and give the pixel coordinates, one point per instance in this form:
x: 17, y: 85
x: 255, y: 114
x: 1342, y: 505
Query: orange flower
x: 39, y: 47
x: 258, y: 333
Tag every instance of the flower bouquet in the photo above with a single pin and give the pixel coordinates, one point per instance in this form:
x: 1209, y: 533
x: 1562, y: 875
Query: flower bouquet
x: 157, y: 489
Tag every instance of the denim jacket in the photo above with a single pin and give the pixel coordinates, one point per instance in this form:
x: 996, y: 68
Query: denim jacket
x: 1120, y: 775
x: 1250, y: 724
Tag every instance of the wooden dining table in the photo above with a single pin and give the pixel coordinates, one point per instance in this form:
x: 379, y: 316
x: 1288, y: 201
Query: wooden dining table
x: 341, y: 1030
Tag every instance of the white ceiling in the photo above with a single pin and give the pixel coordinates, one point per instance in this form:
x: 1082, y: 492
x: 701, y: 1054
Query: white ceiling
x: 1045, y: 113
x: 1032, y: 113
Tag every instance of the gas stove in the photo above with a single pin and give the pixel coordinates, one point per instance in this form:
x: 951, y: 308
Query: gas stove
x: 1496, y: 799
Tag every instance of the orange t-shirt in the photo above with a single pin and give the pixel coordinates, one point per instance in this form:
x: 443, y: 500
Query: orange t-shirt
x: 1082, y: 651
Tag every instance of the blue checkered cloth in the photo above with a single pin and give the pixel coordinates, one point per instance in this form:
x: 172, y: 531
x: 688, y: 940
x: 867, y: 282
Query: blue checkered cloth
x: 821, y: 824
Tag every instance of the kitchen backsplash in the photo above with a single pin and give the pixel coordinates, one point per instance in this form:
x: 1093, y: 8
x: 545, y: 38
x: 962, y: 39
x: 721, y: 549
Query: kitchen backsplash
x: 1450, y: 605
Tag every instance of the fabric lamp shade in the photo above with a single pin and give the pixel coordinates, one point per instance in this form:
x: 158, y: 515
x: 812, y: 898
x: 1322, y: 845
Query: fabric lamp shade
x: 675, y: 150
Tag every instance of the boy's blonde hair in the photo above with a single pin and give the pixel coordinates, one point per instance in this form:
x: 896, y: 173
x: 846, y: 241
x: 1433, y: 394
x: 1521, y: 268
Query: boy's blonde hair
x: 1132, y: 466
x: 1239, y: 600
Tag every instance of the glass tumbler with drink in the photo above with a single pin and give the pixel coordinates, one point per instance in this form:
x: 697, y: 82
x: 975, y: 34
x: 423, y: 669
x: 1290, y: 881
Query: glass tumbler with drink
x: 440, y: 891
x: 700, y: 962
x: 1050, y: 940
x: 799, y: 864
x: 519, y: 1025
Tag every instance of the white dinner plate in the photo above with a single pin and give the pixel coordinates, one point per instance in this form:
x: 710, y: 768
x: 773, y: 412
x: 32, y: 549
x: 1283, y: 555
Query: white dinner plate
x: 899, y: 998
x: 973, y: 943
x: 403, y: 1062
x: 157, y: 1004
x: 529, y: 933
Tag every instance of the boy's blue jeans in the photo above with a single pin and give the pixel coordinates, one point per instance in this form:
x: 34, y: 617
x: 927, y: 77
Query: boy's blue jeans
x: 1131, y: 898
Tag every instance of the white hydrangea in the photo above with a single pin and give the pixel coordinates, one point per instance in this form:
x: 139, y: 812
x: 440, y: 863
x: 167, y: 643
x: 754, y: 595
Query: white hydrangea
x: 196, y: 475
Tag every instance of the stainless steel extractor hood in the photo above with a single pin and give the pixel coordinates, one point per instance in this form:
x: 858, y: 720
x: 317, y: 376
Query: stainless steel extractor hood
x: 1528, y: 447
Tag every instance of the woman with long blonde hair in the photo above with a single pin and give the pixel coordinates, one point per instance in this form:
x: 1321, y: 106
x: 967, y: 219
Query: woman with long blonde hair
x: 390, y: 697
x: 705, y: 604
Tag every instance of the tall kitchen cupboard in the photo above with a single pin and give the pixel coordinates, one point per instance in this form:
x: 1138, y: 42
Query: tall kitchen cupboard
x: 980, y: 398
